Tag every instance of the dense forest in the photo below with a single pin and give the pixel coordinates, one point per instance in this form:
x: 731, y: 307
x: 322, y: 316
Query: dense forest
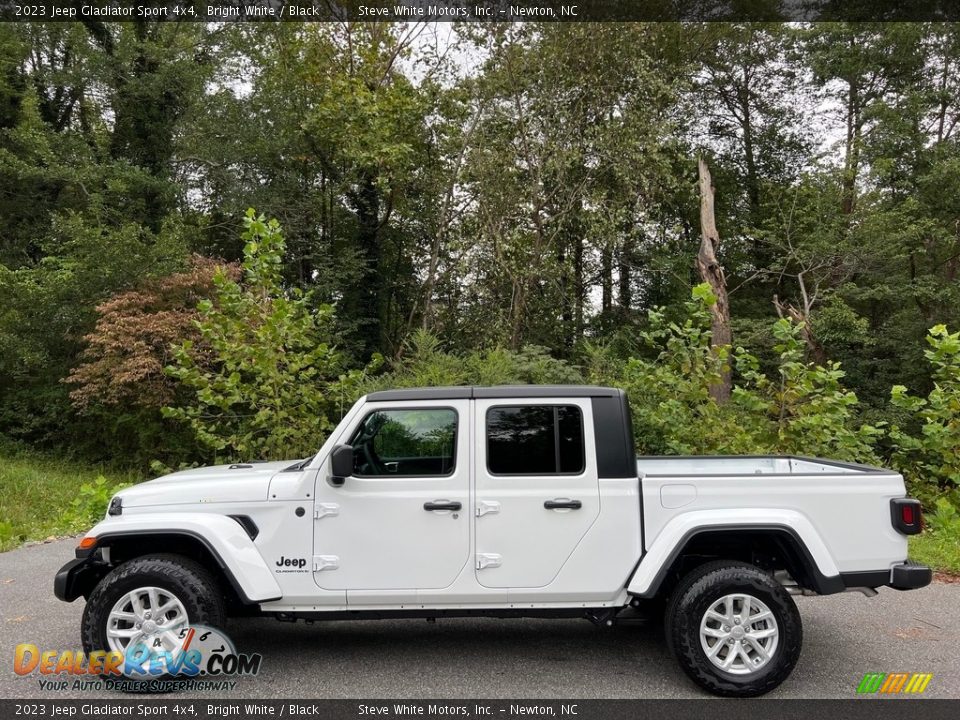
x: 459, y: 203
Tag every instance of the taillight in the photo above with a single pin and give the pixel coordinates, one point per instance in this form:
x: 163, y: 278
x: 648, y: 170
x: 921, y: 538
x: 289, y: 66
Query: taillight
x: 906, y: 516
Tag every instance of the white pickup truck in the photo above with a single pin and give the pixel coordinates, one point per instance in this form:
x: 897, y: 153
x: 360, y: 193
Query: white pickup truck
x: 502, y: 502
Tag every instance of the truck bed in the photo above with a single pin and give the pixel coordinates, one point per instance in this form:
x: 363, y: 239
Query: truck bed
x: 720, y: 465
x: 845, y: 504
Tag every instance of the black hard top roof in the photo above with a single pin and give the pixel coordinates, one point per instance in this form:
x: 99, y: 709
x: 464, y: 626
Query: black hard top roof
x: 497, y: 391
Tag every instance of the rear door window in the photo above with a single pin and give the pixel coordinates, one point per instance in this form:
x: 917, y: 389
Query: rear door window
x: 535, y: 440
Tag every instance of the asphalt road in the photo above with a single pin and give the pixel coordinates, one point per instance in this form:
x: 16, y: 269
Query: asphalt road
x: 845, y: 637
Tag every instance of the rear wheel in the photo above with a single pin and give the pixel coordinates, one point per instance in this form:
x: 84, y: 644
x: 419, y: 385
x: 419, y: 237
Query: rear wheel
x: 734, y: 629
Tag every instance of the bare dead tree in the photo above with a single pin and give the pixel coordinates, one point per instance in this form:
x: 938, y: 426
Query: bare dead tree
x: 712, y: 273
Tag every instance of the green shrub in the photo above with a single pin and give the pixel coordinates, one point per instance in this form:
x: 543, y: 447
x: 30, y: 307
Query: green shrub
x: 670, y: 401
x: 945, y: 519
x: 425, y: 363
x: 90, y: 505
x: 939, y: 544
x: 928, y: 454
x: 265, y: 389
x: 802, y: 410
x: 812, y: 411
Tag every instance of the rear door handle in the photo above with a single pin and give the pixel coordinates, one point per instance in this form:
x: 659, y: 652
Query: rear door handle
x: 562, y: 503
x: 442, y: 505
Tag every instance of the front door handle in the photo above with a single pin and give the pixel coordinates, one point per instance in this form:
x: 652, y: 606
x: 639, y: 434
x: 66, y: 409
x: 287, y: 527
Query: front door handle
x: 442, y: 505
x: 562, y: 504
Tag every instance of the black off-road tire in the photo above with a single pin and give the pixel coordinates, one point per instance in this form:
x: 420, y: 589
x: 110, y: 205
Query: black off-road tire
x: 697, y: 592
x: 193, y: 584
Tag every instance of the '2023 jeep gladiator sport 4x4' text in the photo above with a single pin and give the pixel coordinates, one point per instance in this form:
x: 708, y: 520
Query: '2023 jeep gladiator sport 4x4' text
x: 504, y: 502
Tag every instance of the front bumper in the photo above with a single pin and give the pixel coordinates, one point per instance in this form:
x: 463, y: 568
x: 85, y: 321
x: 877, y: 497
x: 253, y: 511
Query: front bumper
x: 78, y: 577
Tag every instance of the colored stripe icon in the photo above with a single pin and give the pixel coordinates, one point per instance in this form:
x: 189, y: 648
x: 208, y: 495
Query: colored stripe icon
x: 893, y: 683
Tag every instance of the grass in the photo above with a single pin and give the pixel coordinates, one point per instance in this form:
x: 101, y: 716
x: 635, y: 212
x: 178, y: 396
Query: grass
x: 37, y: 496
x: 939, y: 550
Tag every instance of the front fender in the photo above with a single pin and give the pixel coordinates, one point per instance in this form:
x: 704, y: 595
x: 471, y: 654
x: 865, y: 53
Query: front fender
x: 670, y: 541
x: 225, y: 539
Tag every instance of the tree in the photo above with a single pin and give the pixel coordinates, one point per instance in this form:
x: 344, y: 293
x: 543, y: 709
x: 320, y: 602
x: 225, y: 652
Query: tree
x: 494, y: 190
x: 345, y: 138
x: 815, y: 252
x: 552, y: 215
x: 869, y: 61
x: 84, y: 217
x: 154, y: 72
x: 748, y: 88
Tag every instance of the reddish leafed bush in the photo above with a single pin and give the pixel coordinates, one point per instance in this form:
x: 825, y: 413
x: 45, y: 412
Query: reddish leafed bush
x: 136, y: 330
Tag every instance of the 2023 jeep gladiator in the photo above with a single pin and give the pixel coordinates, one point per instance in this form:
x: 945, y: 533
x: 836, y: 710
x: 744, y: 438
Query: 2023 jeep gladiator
x: 504, y: 502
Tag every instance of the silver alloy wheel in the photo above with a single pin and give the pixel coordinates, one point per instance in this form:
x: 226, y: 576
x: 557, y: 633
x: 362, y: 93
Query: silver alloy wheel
x: 739, y: 634
x: 145, y: 615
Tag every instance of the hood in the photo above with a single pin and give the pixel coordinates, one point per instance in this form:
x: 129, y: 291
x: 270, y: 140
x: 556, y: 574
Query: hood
x: 241, y: 482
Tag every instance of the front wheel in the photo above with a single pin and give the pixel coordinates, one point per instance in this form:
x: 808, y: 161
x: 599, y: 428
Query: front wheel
x: 734, y: 629
x: 150, y: 600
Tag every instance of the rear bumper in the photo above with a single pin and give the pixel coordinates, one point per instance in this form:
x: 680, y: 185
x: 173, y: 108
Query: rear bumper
x: 910, y: 576
x: 907, y: 575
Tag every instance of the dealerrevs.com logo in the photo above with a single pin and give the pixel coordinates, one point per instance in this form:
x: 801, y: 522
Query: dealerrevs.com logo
x: 894, y: 683
x: 195, y: 657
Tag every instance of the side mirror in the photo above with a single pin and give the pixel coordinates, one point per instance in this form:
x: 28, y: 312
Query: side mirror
x: 341, y: 464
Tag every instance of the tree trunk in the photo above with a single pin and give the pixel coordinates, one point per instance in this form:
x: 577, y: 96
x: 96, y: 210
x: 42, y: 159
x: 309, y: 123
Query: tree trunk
x: 851, y: 162
x: 712, y: 273
x: 567, y: 330
x: 625, y: 271
x: 362, y: 298
x: 580, y: 291
x: 749, y: 153
x: 761, y: 254
x: 606, y: 277
x: 517, y: 312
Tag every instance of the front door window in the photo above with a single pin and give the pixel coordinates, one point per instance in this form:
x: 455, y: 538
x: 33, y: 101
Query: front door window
x: 406, y: 442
